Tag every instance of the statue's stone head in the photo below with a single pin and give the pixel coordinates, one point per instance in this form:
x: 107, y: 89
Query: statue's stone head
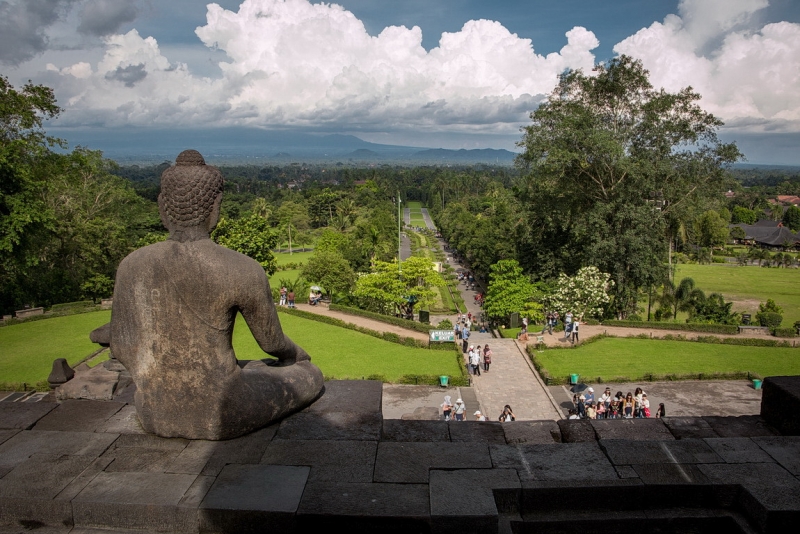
x: 191, y: 193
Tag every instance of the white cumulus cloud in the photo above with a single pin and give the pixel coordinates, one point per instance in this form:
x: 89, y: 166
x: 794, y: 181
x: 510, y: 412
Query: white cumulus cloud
x: 291, y: 62
x: 750, y: 76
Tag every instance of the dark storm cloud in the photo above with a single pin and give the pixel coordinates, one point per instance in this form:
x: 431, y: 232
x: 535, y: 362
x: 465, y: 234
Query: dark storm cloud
x: 103, y: 17
x: 128, y: 75
x: 22, y: 26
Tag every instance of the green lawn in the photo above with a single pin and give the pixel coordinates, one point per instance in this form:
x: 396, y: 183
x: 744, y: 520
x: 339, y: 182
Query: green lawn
x: 635, y: 358
x: 342, y: 353
x: 747, y: 286
x: 414, y: 205
x: 28, y: 349
x: 295, y: 257
x: 291, y: 274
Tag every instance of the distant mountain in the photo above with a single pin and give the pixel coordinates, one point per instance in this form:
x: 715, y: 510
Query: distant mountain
x: 262, y: 147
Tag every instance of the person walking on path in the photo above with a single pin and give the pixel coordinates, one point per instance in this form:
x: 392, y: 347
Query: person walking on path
x: 487, y: 357
x: 575, y: 332
x: 459, y: 410
x: 290, y: 298
x: 475, y: 361
x: 447, y: 408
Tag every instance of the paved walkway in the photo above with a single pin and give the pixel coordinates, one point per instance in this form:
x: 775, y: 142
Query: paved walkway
x: 511, y: 380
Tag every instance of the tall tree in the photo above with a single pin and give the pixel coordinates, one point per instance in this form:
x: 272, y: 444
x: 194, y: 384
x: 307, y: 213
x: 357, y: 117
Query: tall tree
x: 610, y: 162
x: 509, y: 290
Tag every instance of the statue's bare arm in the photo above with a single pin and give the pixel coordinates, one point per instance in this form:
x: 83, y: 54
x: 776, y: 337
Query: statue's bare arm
x: 261, y: 316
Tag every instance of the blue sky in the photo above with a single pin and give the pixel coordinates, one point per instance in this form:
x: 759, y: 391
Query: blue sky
x: 449, y: 73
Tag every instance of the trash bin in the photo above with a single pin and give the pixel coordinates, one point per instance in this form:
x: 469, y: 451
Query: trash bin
x: 444, y: 380
x: 573, y: 379
x: 424, y: 316
x: 756, y: 383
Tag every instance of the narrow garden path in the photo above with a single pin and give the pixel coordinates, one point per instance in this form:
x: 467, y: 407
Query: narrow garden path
x: 556, y: 339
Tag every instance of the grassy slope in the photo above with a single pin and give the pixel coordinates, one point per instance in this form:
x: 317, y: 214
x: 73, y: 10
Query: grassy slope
x: 28, y: 349
x: 612, y: 357
x: 344, y: 353
x: 747, y: 286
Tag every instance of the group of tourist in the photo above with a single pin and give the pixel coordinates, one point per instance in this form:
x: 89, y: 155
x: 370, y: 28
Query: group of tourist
x: 478, y: 357
x: 457, y: 411
x: 617, y: 406
x: 571, y: 325
x: 286, y: 298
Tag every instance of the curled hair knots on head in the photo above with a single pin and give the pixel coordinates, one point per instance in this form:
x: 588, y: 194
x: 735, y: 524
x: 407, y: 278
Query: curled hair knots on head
x: 189, y: 189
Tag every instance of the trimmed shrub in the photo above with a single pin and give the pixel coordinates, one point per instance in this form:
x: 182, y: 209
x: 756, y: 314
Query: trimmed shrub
x: 770, y: 319
x: 784, y: 332
x: 71, y: 305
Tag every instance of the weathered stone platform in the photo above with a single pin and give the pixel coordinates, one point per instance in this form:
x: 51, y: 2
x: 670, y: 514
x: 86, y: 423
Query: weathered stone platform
x: 83, y: 465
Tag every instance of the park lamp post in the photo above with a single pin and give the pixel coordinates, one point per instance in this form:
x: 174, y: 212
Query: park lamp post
x: 399, y: 230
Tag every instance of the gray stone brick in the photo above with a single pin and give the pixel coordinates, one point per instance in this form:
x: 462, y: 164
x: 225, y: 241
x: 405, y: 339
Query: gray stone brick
x: 410, y: 430
x: 357, y: 396
x: 559, y: 461
x: 783, y: 449
x: 79, y: 415
x: 24, y: 444
x: 631, y: 429
x: 689, y: 427
x: 543, y: 432
x: 738, y: 450
x: 477, y: 431
x: 347, y: 426
x: 386, y: 508
x: 253, y: 498
x: 23, y: 415
x: 330, y: 461
x: 478, y: 511
x: 684, y: 451
x: 410, y: 462
x: 147, y: 501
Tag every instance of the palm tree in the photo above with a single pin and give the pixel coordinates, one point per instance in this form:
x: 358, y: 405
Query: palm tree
x: 686, y: 295
x: 262, y: 208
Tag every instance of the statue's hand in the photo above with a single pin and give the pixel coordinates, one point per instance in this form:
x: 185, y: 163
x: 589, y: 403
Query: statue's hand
x: 101, y: 335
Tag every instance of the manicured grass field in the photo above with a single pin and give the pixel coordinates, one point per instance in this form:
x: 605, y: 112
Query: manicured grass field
x: 295, y: 257
x: 291, y: 274
x: 747, y: 286
x: 27, y: 350
x: 635, y: 358
x: 342, y: 353
x: 414, y: 205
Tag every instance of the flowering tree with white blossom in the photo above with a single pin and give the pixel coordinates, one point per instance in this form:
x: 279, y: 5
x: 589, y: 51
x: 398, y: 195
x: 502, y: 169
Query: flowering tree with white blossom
x: 584, y: 294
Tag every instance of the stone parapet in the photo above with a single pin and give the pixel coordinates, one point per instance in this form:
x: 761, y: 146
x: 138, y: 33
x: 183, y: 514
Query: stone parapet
x: 85, y: 464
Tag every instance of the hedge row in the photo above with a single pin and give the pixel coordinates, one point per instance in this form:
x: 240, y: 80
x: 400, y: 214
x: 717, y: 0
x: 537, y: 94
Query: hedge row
x: 784, y: 332
x: 388, y: 319
x: 686, y: 327
x: 71, y: 305
x: 50, y: 315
